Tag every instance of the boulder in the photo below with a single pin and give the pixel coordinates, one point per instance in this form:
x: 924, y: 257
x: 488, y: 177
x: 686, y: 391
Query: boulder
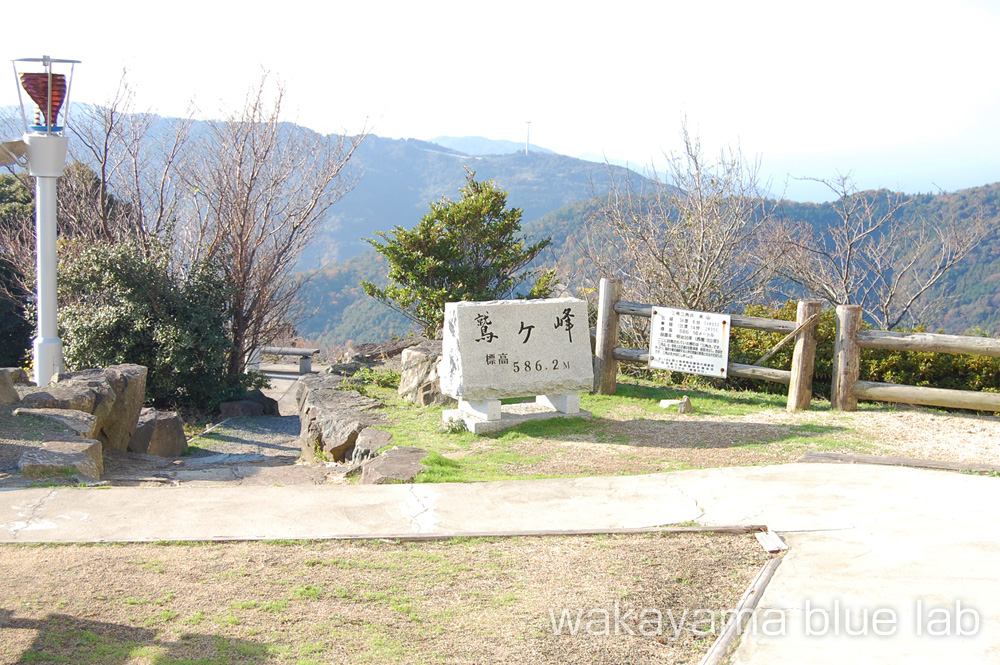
x: 397, y: 465
x: 8, y: 393
x: 17, y: 375
x: 159, y: 433
x: 69, y: 455
x: 345, y: 369
x: 369, y: 442
x: 268, y: 404
x: 118, y: 392
x: 70, y: 397
x: 129, y: 381
x: 419, y: 380
x: 241, y: 407
x: 78, y: 423
x: 378, y: 351
x: 331, y: 419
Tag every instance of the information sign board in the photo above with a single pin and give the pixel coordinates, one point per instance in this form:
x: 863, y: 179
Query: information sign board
x: 692, y: 342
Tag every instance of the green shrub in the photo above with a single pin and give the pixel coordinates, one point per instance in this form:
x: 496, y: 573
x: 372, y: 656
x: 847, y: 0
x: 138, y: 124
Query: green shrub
x: 122, y: 305
x: 470, y: 249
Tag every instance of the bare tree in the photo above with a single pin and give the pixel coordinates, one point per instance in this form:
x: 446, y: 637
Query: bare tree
x: 691, y: 238
x: 120, y: 183
x: 261, y: 190
x: 873, y: 256
x: 137, y: 167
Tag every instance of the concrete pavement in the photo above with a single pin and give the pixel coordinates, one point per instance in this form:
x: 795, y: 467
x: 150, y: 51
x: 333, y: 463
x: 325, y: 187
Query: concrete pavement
x: 886, y: 564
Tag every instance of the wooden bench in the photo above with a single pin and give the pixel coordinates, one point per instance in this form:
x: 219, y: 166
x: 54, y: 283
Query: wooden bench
x: 304, y: 355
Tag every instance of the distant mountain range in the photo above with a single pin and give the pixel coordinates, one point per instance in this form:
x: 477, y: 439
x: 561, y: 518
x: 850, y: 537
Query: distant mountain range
x: 400, y: 177
x: 971, y: 291
x: 478, y: 145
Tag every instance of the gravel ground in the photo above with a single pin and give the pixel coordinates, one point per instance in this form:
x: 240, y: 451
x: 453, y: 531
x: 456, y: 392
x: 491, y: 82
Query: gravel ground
x: 264, y: 435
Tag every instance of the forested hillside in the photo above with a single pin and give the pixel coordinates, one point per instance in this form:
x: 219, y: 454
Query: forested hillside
x: 971, y: 291
x: 401, y: 177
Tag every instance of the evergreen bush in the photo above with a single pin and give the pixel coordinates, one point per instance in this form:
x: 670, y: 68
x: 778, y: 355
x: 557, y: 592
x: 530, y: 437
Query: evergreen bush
x: 119, y: 304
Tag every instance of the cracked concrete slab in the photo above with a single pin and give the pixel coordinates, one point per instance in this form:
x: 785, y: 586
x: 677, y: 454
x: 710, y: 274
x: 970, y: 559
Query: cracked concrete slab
x: 861, y: 538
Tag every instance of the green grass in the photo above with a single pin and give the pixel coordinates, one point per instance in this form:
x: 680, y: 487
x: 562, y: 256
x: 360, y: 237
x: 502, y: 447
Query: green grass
x: 460, y: 456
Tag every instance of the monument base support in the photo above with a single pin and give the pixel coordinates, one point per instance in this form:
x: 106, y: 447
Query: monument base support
x: 511, y: 415
x: 568, y: 403
x: 483, y: 409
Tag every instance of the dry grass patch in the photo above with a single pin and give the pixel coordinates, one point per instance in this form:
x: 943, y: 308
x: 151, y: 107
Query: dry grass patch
x: 462, y: 601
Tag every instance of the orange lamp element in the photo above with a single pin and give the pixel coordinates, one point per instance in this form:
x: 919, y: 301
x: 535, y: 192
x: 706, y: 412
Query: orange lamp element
x: 47, y: 91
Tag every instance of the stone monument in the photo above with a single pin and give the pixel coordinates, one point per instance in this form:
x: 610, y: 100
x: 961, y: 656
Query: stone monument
x: 515, y: 348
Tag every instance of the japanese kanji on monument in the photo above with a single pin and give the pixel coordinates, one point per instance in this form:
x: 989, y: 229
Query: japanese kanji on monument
x: 516, y: 348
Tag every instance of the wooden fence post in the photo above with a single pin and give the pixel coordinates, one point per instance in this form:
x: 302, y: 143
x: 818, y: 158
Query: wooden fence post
x: 804, y: 357
x: 605, y: 366
x: 846, y: 358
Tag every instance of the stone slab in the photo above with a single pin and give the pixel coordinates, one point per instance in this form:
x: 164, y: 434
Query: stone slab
x: 568, y: 403
x: 397, y: 465
x: 369, y: 442
x: 419, y: 381
x: 81, y: 456
x: 484, y: 409
x: 511, y: 415
x: 77, y: 422
x: 515, y: 348
x: 66, y: 397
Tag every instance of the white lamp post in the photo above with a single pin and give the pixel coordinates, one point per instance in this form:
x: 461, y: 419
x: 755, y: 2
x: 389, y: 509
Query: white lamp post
x: 46, y: 151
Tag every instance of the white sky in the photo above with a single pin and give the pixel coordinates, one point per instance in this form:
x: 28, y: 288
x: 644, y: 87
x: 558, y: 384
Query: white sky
x: 904, y: 94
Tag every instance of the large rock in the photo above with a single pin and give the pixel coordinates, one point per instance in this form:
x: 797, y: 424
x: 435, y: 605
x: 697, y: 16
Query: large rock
x: 269, y: 405
x: 8, y: 393
x: 378, y: 351
x: 419, y: 380
x: 397, y: 465
x: 17, y: 375
x: 78, y: 423
x: 240, y: 407
x: 118, y: 392
x: 331, y: 419
x: 369, y: 442
x: 70, y: 455
x: 159, y: 433
x: 129, y: 382
x: 75, y: 397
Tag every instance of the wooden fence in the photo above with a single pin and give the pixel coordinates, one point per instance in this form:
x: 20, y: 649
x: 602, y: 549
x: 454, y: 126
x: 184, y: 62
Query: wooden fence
x: 799, y: 380
x: 846, y: 389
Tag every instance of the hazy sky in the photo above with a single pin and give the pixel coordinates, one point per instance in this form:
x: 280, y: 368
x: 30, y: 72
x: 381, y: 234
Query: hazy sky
x: 903, y: 94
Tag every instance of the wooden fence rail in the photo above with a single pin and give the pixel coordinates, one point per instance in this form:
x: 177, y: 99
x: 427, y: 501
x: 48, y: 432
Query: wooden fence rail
x: 608, y: 354
x: 846, y: 389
